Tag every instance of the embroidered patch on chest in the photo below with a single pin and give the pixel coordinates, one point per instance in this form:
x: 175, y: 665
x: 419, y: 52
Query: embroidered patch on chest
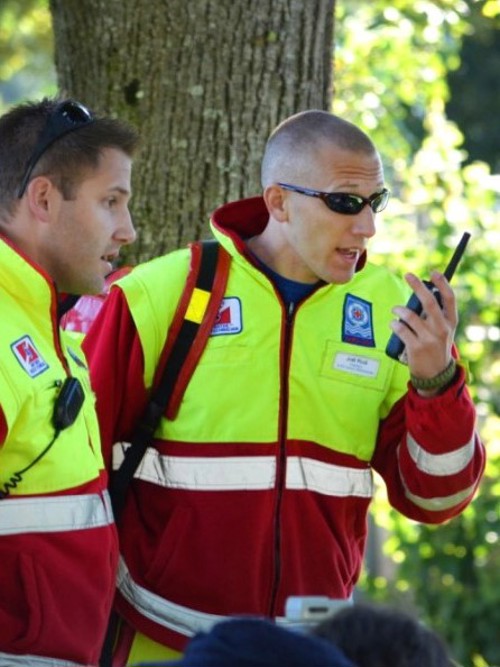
x: 357, y: 325
x: 228, y: 320
x: 28, y: 356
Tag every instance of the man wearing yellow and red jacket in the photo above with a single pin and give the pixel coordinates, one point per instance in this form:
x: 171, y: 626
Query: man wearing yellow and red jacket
x: 259, y: 488
x: 64, y: 192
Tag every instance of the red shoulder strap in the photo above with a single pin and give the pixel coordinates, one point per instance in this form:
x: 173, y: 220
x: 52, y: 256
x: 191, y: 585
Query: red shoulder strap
x: 194, y: 318
x: 186, y: 340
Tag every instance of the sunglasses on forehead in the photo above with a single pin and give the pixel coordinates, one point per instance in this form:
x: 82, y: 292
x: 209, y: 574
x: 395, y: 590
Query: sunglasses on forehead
x: 343, y: 202
x: 66, y: 117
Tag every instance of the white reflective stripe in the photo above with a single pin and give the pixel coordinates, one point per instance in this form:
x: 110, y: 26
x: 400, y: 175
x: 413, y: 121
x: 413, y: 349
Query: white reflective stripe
x: 10, y: 660
x: 326, y: 478
x: 168, y: 614
x: 228, y: 473
x: 237, y: 473
x: 49, y: 514
x: 119, y: 449
x: 440, y: 503
x: 188, y: 621
x: 202, y: 473
x: 441, y: 465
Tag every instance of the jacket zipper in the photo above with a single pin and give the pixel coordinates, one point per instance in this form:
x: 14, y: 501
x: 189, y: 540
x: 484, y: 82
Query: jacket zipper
x: 56, y: 330
x: 282, y: 455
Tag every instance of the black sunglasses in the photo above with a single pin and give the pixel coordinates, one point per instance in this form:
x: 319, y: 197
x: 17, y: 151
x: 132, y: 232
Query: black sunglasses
x: 343, y: 202
x: 66, y: 117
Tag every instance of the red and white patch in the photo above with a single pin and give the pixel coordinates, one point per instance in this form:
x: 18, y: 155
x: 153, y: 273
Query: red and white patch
x: 228, y: 320
x: 28, y: 356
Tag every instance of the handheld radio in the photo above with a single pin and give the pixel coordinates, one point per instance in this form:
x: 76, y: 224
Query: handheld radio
x: 395, y: 346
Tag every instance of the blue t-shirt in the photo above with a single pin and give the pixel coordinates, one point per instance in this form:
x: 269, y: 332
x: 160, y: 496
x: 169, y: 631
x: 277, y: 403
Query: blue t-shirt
x: 291, y: 291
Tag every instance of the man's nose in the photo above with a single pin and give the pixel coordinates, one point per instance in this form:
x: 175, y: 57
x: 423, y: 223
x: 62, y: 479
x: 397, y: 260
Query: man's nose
x: 364, y: 222
x: 126, y: 233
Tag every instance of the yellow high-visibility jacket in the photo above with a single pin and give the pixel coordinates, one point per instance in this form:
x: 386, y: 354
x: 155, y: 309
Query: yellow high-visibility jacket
x: 259, y: 488
x: 58, y: 542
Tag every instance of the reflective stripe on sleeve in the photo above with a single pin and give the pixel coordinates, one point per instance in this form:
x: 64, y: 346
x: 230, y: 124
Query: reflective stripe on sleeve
x: 441, y: 503
x: 242, y: 473
x: 10, y: 660
x: 441, y: 465
x: 49, y: 514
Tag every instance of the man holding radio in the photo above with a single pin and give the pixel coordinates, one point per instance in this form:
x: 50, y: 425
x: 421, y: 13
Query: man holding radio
x: 259, y: 488
x: 64, y: 192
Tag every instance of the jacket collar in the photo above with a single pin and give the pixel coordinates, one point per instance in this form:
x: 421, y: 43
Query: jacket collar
x: 239, y: 220
x: 31, y: 286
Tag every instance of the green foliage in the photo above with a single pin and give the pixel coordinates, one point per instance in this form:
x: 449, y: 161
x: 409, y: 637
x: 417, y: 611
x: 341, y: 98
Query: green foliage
x: 451, y: 573
x: 26, y: 51
x: 477, y: 79
x: 392, y: 63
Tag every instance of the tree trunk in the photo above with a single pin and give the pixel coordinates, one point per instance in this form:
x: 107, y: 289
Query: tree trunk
x: 205, y: 82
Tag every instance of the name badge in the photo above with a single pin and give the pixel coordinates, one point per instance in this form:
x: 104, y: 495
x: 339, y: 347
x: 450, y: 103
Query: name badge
x: 357, y: 365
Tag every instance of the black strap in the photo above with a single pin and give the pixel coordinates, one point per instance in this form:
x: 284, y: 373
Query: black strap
x: 106, y: 657
x: 145, y: 429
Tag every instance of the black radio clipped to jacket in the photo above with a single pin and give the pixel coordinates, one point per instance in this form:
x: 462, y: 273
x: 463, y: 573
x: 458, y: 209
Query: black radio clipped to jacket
x: 68, y: 403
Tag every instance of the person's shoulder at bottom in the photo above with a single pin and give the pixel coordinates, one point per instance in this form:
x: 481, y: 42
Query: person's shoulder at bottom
x: 255, y: 642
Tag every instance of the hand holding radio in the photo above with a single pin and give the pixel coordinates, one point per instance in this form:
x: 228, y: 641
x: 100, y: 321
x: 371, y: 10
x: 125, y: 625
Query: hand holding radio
x: 431, y: 340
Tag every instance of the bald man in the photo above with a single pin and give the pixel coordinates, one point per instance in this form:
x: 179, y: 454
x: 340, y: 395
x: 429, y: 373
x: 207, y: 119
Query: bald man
x: 259, y: 488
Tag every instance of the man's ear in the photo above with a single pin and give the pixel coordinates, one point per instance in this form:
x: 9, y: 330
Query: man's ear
x: 276, y: 202
x: 40, y: 193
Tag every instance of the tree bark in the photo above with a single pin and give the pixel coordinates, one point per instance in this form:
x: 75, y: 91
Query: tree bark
x: 205, y: 82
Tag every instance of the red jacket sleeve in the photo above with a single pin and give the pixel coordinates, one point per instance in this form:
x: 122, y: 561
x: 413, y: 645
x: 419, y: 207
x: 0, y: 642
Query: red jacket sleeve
x: 429, y: 454
x: 114, y: 353
x: 3, y: 427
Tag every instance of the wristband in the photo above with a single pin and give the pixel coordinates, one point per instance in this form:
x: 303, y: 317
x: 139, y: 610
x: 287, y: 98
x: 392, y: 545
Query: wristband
x: 438, y: 381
